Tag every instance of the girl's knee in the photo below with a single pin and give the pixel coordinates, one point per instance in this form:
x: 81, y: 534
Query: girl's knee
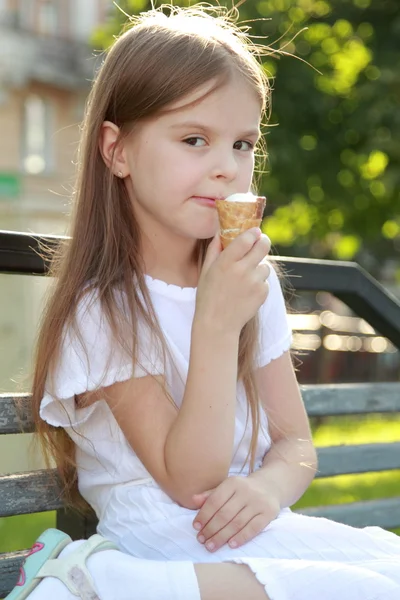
x: 228, y: 580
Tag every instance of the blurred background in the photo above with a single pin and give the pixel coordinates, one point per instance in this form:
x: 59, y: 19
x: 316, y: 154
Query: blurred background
x: 332, y: 180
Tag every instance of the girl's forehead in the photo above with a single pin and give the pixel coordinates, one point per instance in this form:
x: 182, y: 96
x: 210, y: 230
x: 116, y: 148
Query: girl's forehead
x: 210, y: 99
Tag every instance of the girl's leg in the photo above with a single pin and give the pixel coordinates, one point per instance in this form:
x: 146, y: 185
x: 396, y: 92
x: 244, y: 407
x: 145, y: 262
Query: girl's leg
x: 114, y: 574
x: 228, y: 580
x: 118, y: 575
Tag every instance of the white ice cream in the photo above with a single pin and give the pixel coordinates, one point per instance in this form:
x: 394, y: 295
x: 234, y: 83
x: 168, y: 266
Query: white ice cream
x: 247, y: 197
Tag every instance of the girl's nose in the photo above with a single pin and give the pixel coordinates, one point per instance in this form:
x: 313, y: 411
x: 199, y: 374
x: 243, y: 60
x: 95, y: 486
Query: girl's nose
x: 226, y: 166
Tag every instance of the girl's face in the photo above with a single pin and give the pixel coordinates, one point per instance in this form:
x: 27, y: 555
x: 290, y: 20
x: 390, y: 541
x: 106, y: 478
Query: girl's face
x: 180, y: 162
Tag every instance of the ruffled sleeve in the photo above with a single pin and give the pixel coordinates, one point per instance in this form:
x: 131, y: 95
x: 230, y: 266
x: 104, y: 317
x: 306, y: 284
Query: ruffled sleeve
x: 275, y: 335
x: 91, y: 359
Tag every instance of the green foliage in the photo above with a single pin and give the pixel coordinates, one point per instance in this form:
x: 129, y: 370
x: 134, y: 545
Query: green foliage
x: 334, y: 178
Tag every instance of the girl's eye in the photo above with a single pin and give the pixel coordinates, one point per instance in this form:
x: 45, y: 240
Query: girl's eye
x: 192, y: 141
x: 250, y: 146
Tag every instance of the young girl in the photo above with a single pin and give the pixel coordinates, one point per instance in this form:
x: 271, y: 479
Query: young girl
x: 164, y: 386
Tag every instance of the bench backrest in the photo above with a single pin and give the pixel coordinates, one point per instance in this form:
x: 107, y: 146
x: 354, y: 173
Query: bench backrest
x: 38, y: 491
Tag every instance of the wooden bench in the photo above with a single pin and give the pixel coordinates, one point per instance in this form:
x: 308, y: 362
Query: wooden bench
x: 37, y: 491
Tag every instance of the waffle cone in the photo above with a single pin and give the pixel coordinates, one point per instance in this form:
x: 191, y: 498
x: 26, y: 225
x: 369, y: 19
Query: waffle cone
x: 235, y: 217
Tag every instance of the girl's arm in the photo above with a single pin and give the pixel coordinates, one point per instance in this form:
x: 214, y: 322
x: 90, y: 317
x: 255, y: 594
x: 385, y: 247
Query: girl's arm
x: 291, y: 463
x: 190, y: 451
x: 239, y: 508
x: 199, y: 445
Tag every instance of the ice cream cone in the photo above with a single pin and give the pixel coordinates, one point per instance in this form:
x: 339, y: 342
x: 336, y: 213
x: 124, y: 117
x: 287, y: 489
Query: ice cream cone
x: 238, y: 215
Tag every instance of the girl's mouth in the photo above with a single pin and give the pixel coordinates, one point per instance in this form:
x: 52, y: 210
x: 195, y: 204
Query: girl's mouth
x: 205, y: 201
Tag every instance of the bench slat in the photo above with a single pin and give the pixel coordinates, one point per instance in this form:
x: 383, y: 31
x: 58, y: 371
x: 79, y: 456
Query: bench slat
x: 13, y: 420
x: 363, y: 458
x: 384, y: 513
x: 320, y: 400
x: 38, y: 491
x: 31, y: 492
x: 355, y: 398
x: 9, y: 570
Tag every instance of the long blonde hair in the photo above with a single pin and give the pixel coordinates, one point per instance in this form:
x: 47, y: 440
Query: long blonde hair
x: 158, y: 60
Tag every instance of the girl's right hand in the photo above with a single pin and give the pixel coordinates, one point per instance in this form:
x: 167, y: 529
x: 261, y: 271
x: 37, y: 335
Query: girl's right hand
x: 233, y: 283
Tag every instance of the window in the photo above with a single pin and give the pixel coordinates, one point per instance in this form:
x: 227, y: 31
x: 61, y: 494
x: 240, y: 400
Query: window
x: 26, y: 11
x: 83, y: 18
x: 47, y: 17
x: 36, y: 135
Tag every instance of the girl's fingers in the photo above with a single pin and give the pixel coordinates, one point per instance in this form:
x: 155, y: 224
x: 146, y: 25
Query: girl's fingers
x: 242, y: 528
x: 250, y: 531
x: 263, y: 270
x: 213, y: 251
x: 258, y: 252
x: 200, y: 499
x: 219, y: 496
x: 220, y: 519
x: 242, y: 245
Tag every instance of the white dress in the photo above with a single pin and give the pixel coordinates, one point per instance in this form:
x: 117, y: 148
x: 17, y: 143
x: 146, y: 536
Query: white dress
x: 293, y: 555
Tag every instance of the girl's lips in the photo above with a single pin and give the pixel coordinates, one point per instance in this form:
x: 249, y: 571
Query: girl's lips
x: 204, y: 200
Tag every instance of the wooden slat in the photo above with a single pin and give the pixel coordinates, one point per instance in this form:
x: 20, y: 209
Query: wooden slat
x: 9, y: 570
x: 363, y: 458
x: 320, y: 400
x: 31, y: 492
x: 384, y: 513
x: 347, y: 399
x: 38, y: 491
x: 13, y: 419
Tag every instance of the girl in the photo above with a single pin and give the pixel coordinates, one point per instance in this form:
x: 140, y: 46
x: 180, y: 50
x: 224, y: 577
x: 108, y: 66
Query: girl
x: 164, y: 387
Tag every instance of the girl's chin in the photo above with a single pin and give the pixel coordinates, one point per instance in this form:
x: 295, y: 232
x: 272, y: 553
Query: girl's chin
x: 206, y: 235
x: 205, y: 231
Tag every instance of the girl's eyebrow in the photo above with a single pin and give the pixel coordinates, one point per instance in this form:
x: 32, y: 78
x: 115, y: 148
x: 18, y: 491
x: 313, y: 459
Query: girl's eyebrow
x: 200, y: 127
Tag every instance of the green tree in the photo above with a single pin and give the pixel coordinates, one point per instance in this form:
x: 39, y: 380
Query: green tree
x: 333, y: 180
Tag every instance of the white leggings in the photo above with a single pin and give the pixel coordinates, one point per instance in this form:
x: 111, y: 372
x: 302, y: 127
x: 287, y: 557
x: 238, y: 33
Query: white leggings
x: 117, y: 575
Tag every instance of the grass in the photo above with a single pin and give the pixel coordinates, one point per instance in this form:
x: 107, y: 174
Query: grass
x: 20, y: 532
x: 17, y: 533
x: 354, y: 488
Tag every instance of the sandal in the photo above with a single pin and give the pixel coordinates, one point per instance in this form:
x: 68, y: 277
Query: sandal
x: 47, y: 546
x: 71, y: 569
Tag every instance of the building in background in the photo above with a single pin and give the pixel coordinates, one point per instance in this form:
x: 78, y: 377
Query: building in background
x: 46, y: 66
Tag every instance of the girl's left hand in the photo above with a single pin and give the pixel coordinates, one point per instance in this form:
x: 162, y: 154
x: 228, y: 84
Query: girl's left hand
x: 235, y: 512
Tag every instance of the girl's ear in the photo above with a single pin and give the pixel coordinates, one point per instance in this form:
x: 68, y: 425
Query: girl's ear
x: 112, y: 153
